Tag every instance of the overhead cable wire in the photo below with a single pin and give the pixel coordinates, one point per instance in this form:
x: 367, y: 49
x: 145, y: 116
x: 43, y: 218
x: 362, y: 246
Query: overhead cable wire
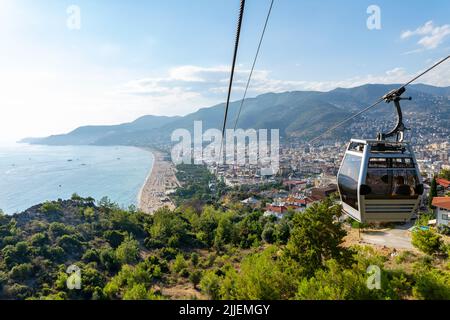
x: 254, y: 64
x: 230, y: 86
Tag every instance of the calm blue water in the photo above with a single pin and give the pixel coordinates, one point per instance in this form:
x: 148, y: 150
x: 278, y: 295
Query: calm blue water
x: 30, y: 175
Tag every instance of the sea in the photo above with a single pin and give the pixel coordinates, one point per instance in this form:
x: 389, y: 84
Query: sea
x: 31, y: 174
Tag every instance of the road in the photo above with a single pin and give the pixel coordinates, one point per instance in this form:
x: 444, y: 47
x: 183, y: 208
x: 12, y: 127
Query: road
x: 398, y: 238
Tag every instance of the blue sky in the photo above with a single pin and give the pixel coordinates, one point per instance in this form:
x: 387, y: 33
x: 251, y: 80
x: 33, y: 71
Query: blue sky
x: 131, y: 58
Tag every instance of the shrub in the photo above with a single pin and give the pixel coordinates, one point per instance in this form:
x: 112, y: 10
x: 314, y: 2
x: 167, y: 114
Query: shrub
x: 424, y: 218
x: 21, y: 271
x: 179, y: 264
x: 91, y: 255
x: 128, y: 251
x: 195, y: 277
x: 108, y: 259
x: 39, y: 239
x: 89, y: 213
x: 194, y: 258
x: 71, y: 244
x: 138, y: 292
x: 170, y: 228
x: 210, y: 284
x: 50, y: 207
x: 18, y: 254
x: 432, y: 285
x: 126, y: 281
x: 427, y: 241
x: 335, y: 283
x: 262, y: 277
x: 57, y: 229
x: 55, y: 254
x: 17, y: 291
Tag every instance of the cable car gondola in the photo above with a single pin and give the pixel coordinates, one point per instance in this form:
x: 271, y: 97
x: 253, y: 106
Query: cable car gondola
x: 379, y: 180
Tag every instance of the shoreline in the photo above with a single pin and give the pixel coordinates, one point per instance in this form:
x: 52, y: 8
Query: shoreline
x: 160, y: 180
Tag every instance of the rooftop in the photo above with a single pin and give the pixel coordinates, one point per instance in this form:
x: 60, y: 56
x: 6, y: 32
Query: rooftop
x: 443, y: 182
x: 442, y: 202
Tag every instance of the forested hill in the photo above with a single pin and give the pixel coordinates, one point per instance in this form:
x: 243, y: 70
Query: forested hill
x: 203, y: 252
x: 303, y: 114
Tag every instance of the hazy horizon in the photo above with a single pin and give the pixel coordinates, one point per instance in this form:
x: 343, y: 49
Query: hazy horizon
x: 12, y: 143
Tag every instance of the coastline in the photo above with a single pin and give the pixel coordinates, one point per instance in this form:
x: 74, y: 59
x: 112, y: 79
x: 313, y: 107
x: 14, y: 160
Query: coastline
x: 161, y: 179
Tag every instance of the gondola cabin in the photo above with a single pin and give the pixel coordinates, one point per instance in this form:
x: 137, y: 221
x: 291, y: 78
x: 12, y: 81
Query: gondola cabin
x: 379, y: 181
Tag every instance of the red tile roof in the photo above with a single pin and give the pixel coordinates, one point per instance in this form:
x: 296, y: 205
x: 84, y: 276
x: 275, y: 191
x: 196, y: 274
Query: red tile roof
x: 279, y: 209
x: 295, y: 200
x: 442, y: 202
x: 443, y: 182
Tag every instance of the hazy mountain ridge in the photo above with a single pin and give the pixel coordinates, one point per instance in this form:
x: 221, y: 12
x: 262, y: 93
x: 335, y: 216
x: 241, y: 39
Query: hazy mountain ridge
x: 298, y: 113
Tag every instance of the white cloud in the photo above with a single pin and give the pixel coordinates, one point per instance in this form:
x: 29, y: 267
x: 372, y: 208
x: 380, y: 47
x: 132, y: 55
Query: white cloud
x: 211, y: 83
x: 431, y: 36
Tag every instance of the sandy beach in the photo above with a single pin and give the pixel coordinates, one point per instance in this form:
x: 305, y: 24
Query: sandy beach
x: 162, y: 179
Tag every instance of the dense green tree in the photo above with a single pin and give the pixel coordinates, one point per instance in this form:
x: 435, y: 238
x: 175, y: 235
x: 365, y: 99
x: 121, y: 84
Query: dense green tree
x: 249, y: 230
x: 39, y: 239
x: 107, y: 205
x: 128, y: 251
x: 108, y: 259
x: 93, y: 282
x: 75, y: 197
x: 269, y: 234
x: 261, y: 277
x: 283, y: 230
x: 16, y: 254
x: 316, y: 237
x: 206, y: 224
x: 71, y: 244
x: 225, y: 231
x: 17, y: 291
x: 169, y: 228
x: 128, y: 221
x: 55, y: 254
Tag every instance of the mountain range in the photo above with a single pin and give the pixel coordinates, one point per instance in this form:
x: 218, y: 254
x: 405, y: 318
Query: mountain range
x: 301, y: 114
